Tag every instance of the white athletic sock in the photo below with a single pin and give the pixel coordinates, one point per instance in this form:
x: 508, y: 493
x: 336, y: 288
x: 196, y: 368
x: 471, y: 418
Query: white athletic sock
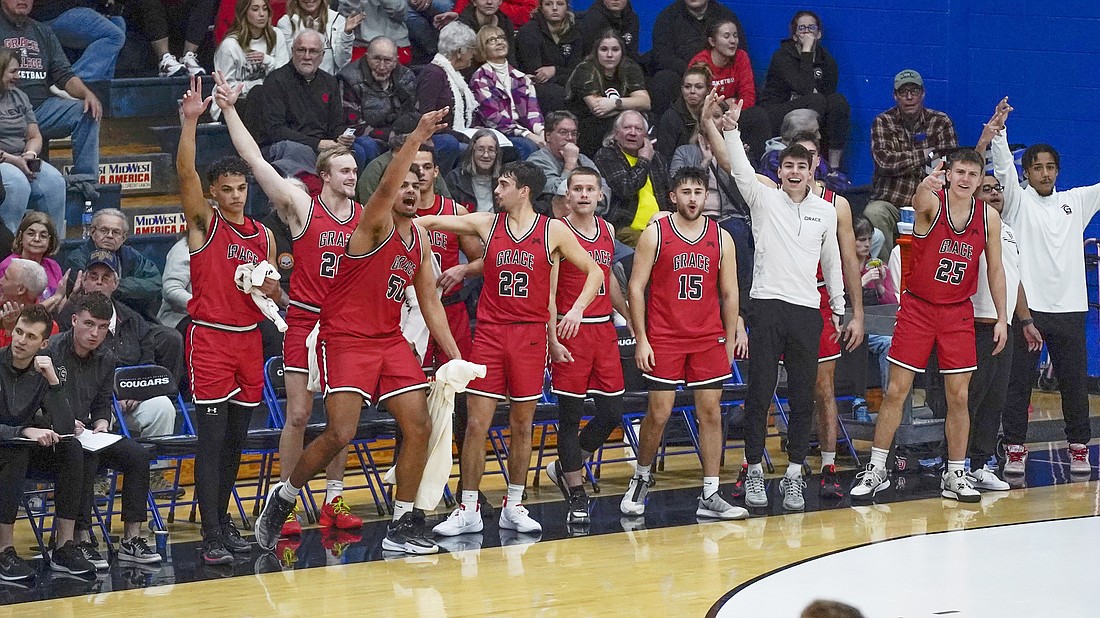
x: 710, y: 486
x: 469, y: 500
x: 515, y: 495
x: 878, y: 458
x: 401, y: 507
x: 642, y: 471
x: 955, y: 465
x: 289, y: 492
x: 333, y: 490
x: 828, y: 458
x: 756, y: 468
x: 794, y: 470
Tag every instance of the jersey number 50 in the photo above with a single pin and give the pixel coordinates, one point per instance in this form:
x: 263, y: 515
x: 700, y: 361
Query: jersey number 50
x: 950, y: 271
x: 513, y: 284
x: 395, y: 289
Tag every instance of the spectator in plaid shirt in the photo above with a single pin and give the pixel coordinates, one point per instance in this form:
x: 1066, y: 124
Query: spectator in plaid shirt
x: 904, y: 140
x: 505, y: 96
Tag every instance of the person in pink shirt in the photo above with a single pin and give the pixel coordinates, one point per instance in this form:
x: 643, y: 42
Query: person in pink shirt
x: 36, y: 240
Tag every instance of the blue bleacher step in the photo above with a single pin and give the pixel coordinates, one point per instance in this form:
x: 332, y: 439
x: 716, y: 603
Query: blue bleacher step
x: 139, y: 174
x: 143, y: 96
x: 212, y: 142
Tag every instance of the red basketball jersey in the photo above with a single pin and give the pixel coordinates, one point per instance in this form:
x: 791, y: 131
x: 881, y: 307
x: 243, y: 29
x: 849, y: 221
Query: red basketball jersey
x: 517, y: 274
x: 317, y: 252
x: 445, y: 245
x: 367, y: 294
x: 830, y: 197
x: 945, y: 261
x: 571, y: 279
x: 216, y: 300
x: 683, y: 308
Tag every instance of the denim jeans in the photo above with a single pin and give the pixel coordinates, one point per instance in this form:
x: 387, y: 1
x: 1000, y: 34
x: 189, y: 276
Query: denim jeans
x: 448, y: 150
x: 878, y: 346
x: 367, y: 149
x: 46, y: 193
x: 422, y: 34
x: 524, y: 146
x: 100, y: 37
x: 59, y: 118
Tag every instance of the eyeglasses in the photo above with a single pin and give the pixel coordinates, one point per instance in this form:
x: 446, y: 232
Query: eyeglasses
x: 991, y: 188
x: 308, y: 51
x: 496, y: 38
x: 806, y: 28
x: 42, y: 234
x: 111, y: 231
x: 485, y: 150
x: 564, y: 133
x: 905, y: 93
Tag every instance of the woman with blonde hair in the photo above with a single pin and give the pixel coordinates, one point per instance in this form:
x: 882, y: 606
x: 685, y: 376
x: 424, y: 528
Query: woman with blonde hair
x: 251, y: 49
x: 505, y: 96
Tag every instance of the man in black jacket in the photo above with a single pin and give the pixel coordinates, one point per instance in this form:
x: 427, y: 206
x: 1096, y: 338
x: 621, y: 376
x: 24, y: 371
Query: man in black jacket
x: 133, y: 341
x: 87, y: 376
x: 680, y: 33
x: 301, y: 112
x: 29, y: 383
x: 379, y: 97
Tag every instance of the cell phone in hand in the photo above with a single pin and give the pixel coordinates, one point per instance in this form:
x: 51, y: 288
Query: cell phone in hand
x: 349, y: 132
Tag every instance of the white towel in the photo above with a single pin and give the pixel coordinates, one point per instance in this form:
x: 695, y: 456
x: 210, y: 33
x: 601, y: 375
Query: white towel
x: 249, y: 278
x: 313, y: 382
x: 450, y: 379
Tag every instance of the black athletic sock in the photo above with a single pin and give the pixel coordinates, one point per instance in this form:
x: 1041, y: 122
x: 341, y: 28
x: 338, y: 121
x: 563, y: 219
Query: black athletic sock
x: 570, y: 410
x: 609, y: 416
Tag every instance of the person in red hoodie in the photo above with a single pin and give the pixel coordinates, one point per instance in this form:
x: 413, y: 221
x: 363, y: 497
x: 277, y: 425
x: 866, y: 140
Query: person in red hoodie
x: 732, y: 75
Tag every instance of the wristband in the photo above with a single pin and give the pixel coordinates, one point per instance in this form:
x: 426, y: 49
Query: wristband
x: 618, y: 103
x: 1026, y: 322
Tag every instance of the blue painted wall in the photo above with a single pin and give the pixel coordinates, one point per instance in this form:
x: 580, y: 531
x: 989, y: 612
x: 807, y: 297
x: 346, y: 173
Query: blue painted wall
x: 1042, y: 55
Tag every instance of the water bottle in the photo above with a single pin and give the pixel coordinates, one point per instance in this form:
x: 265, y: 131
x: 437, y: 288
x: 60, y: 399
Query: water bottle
x: 86, y: 218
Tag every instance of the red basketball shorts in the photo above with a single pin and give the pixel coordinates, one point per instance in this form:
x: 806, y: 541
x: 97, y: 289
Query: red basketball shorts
x: 827, y: 349
x: 922, y: 326
x: 377, y: 369
x: 225, y: 365
x: 299, y: 323
x: 514, y: 356
x: 596, y: 368
x: 673, y: 366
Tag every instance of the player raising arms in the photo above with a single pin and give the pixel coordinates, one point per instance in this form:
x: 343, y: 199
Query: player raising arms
x: 952, y: 230
x: 319, y: 227
x: 224, y: 348
x: 512, y: 319
x: 362, y: 353
x: 587, y: 364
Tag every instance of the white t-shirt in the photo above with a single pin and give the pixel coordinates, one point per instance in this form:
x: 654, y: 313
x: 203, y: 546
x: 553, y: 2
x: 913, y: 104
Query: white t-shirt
x: 1010, y: 257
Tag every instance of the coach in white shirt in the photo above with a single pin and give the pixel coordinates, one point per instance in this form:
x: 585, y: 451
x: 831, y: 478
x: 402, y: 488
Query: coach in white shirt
x: 1050, y: 226
x: 793, y: 230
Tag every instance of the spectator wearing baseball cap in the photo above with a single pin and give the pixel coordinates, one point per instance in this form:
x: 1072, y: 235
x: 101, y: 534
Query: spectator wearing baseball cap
x: 905, y: 139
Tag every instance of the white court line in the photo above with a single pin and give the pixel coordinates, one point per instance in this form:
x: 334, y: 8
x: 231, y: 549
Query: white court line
x: 1029, y: 569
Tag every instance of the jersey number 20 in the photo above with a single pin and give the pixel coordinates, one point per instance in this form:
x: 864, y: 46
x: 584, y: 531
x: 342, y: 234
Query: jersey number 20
x: 950, y: 271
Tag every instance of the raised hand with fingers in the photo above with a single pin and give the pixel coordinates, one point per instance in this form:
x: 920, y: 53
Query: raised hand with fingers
x: 193, y: 105
x: 431, y: 122
x: 935, y: 181
x: 226, y: 94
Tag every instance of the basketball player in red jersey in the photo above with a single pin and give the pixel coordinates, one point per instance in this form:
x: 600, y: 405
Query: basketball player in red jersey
x: 688, y: 331
x: 445, y: 248
x: 952, y: 229
x: 319, y: 227
x: 512, y: 318
x: 588, y: 364
x: 224, y: 350
x: 363, y: 355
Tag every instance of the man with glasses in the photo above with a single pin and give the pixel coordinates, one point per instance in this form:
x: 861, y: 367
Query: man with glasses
x: 379, y: 99
x: 558, y: 158
x: 905, y: 140
x: 301, y: 113
x: 139, y: 279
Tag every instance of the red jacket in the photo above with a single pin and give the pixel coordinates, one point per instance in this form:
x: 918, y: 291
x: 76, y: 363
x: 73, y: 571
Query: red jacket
x: 733, y: 81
